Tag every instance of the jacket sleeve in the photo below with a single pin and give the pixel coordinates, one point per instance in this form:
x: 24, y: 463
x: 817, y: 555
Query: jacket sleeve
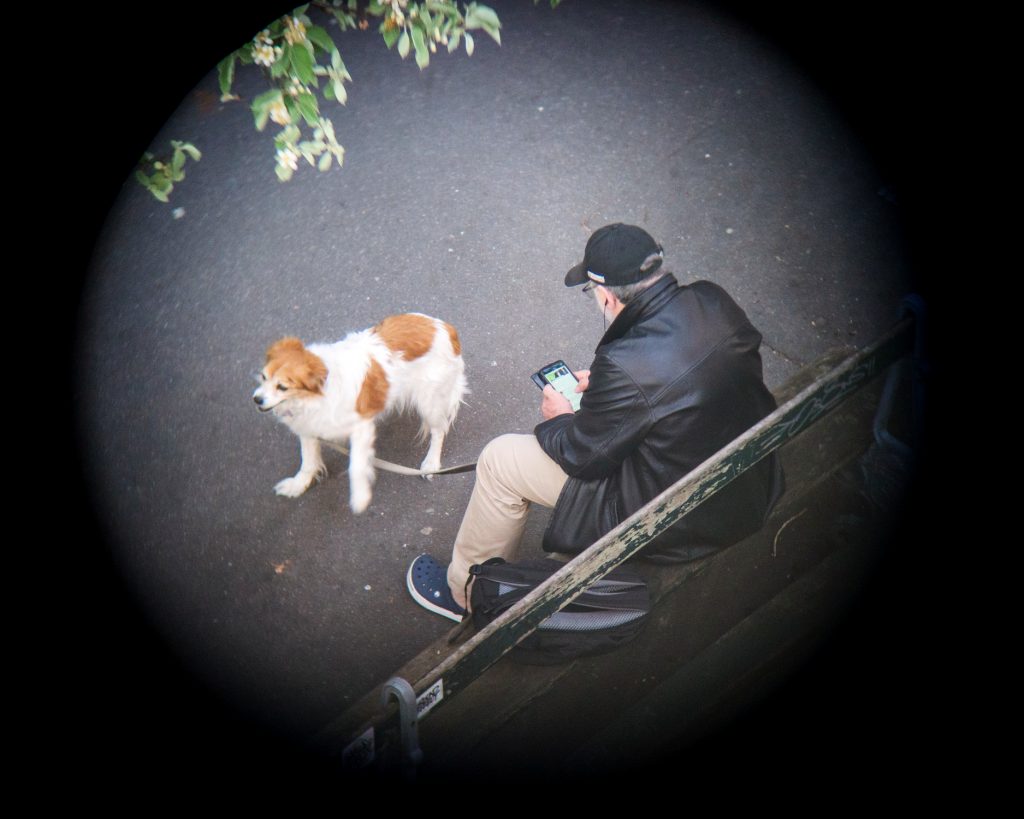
x: 613, y: 419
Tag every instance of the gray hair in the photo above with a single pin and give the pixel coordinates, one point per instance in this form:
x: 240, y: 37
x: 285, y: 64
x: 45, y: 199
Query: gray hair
x: 627, y: 292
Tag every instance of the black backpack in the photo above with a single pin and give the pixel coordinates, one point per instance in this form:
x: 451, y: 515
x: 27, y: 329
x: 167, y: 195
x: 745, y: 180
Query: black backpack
x: 611, y: 612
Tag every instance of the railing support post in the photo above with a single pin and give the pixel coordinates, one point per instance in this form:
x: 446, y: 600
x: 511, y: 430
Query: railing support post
x: 408, y: 718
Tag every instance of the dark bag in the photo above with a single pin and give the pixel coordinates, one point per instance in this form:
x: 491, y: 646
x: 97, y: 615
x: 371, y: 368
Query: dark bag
x: 611, y: 612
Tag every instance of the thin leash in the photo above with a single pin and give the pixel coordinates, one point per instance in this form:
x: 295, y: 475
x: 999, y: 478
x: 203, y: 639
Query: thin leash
x: 405, y: 470
x: 398, y: 468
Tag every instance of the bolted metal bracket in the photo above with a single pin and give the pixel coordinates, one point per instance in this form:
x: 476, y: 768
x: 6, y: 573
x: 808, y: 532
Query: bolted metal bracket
x: 408, y: 717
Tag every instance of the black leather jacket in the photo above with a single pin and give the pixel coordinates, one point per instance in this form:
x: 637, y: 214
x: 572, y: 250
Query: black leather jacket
x: 676, y: 377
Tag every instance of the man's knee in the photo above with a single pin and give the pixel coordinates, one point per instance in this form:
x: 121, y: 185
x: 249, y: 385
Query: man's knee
x: 499, y: 450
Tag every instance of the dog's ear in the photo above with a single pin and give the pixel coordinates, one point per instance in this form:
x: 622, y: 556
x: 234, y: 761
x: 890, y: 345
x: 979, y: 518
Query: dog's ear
x: 284, y: 345
x: 305, y: 369
x: 311, y: 373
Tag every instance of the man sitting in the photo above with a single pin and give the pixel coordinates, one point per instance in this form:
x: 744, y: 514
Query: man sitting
x: 676, y: 376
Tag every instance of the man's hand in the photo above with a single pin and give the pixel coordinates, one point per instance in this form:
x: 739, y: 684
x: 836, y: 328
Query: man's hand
x: 553, y: 403
x: 583, y: 376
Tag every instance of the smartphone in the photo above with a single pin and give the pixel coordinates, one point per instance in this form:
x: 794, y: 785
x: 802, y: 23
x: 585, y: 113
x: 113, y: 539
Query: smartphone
x: 559, y: 376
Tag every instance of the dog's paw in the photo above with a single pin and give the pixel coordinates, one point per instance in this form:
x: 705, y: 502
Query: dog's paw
x: 359, y: 500
x: 291, y: 487
x: 429, y: 466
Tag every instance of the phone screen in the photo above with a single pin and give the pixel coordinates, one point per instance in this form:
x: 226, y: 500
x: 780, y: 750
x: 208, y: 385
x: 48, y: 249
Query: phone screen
x: 561, y: 378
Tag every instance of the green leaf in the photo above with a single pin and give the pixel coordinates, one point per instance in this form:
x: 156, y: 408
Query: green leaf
x: 178, y: 161
x: 478, y: 16
x: 325, y: 161
x: 192, y: 151
x: 302, y: 62
x: 453, y: 41
x: 345, y: 20
x: 267, y: 97
x: 226, y: 73
x: 469, y: 44
x: 339, y: 91
x: 308, y: 108
x: 293, y: 108
x: 261, y: 107
x: 244, y: 53
x: 419, y: 43
x: 320, y: 37
x: 448, y: 9
x: 403, y: 45
x: 339, y: 66
x: 282, y: 63
x: 486, y: 16
x: 390, y: 36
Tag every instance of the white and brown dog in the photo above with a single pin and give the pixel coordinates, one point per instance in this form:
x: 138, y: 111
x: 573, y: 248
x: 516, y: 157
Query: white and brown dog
x: 338, y: 391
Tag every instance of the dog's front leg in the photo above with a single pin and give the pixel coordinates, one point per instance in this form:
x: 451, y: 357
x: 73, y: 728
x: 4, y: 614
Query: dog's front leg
x: 432, y: 462
x: 361, y: 474
x: 311, y: 468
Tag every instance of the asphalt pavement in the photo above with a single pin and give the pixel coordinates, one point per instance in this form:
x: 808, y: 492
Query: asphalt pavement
x: 467, y: 191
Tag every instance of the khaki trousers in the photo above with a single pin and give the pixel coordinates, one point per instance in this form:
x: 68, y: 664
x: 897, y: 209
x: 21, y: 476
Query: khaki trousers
x: 512, y: 473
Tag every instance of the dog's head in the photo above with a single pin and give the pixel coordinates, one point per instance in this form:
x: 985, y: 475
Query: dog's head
x: 291, y: 371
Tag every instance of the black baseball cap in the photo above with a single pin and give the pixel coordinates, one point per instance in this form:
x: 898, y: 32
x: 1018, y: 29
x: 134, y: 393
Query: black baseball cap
x: 615, y: 255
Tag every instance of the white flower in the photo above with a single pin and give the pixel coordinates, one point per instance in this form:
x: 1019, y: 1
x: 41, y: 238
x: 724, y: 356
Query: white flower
x: 396, y: 11
x: 296, y: 31
x: 279, y: 113
x: 287, y: 158
x: 264, y: 55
